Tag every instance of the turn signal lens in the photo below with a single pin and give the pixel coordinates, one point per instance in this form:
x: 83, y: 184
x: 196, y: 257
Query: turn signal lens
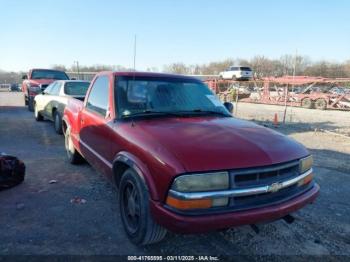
x: 188, y: 204
x: 306, y: 180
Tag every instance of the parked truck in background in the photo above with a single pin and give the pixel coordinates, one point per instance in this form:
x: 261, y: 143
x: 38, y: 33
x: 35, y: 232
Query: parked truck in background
x: 36, y: 81
x: 180, y: 160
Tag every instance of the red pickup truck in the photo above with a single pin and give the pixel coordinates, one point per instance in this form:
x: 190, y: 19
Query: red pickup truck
x: 180, y: 160
x: 36, y: 81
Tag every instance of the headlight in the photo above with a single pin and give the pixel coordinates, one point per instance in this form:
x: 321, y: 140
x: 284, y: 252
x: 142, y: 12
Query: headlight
x: 305, y: 164
x: 32, y: 85
x: 201, y: 182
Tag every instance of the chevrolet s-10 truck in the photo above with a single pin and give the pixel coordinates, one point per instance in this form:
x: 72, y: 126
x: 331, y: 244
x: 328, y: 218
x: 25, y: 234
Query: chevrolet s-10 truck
x: 36, y: 81
x: 180, y: 160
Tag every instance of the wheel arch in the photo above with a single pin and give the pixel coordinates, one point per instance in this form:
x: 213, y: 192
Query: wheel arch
x: 65, y: 125
x: 125, y: 160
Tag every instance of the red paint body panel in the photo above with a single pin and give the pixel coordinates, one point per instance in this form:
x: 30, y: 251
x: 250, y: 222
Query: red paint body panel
x: 163, y: 148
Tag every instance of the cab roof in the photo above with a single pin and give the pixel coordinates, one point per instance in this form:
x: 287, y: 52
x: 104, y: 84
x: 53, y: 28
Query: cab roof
x: 146, y: 74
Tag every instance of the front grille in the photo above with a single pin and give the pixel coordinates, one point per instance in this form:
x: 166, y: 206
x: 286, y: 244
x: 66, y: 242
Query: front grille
x: 246, y: 202
x: 265, y: 176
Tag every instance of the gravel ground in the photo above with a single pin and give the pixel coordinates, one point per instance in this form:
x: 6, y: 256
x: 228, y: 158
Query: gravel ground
x: 38, y: 218
x: 297, y: 117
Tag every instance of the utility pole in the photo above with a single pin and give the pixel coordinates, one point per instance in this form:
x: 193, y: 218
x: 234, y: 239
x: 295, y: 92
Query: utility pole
x: 77, y: 65
x: 286, y: 89
x: 135, y: 54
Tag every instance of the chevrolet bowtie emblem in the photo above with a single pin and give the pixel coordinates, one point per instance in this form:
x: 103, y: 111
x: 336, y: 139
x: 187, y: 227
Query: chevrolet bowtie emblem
x: 275, y: 187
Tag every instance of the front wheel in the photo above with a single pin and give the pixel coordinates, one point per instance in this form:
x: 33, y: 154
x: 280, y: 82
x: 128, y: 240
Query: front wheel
x: 25, y: 100
x: 30, y: 103
x: 37, y: 115
x: 135, y: 213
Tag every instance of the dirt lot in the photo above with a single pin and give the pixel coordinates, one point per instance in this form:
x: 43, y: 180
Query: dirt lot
x: 37, y: 217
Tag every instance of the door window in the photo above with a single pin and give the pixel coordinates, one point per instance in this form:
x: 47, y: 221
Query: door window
x: 98, y: 97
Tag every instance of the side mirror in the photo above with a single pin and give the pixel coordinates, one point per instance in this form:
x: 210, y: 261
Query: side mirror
x: 229, y: 107
x: 24, y: 77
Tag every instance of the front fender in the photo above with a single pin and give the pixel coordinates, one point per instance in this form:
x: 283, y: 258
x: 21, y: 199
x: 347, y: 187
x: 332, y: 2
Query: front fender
x: 140, y: 168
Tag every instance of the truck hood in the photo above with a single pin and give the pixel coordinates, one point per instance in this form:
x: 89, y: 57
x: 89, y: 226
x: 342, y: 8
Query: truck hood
x: 212, y: 143
x: 41, y: 81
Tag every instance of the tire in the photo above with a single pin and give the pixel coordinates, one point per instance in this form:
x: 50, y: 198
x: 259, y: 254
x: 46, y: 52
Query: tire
x: 25, y: 100
x: 31, y: 104
x: 135, y: 213
x: 72, y: 154
x: 57, y: 122
x: 37, y: 115
x: 234, y: 77
x: 307, y: 103
x: 321, y: 104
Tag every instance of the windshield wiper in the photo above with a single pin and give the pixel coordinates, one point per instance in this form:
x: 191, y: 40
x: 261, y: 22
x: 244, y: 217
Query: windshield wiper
x: 209, y: 112
x: 152, y: 113
x: 175, y: 113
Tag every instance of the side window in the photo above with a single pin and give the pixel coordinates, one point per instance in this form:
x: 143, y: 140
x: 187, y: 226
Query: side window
x: 98, y: 97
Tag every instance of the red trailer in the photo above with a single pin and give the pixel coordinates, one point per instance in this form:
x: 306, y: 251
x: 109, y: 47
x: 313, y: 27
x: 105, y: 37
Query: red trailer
x: 308, y: 92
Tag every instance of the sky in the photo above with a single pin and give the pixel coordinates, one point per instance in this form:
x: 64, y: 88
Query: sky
x: 42, y: 33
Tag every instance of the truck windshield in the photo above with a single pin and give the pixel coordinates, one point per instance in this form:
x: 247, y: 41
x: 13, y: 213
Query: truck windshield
x: 141, y: 96
x: 76, y: 88
x: 49, y: 74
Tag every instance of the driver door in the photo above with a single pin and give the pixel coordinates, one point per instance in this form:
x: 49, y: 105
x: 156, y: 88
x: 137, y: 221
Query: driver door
x: 96, y: 133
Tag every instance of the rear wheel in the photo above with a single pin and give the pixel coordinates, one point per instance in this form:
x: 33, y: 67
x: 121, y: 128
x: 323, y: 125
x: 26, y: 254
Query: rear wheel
x: 135, y: 213
x: 73, y: 155
x: 37, y: 115
x: 307, y: 103
x: 321, y: 104
x: 57, y: 122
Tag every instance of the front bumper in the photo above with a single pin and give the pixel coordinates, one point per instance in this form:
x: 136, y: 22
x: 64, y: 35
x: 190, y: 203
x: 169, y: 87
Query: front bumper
x: 203, y: 223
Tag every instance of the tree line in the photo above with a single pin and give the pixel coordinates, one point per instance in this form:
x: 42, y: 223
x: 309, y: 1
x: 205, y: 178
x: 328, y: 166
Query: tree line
x: 261, y: 65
